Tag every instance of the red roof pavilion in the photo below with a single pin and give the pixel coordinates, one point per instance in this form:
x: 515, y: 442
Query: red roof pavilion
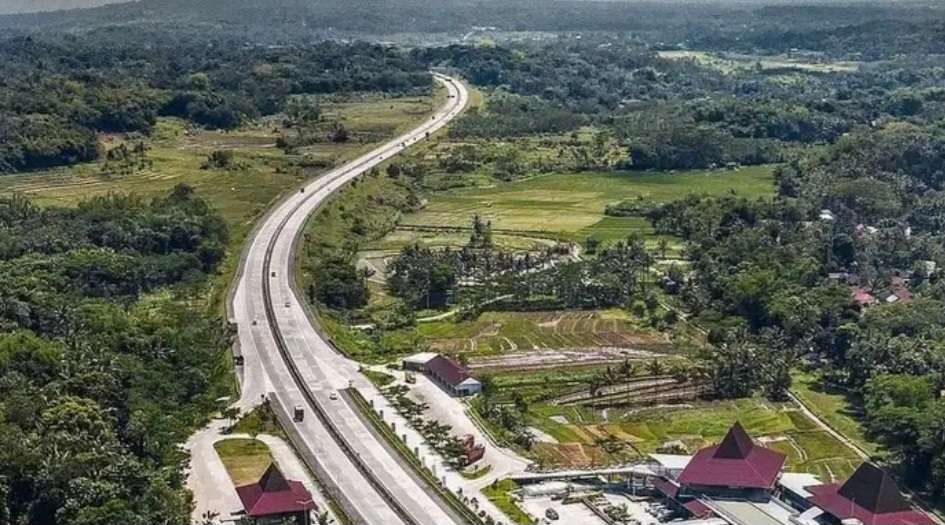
x: 871, y: 496
x: 449, y: 371
x: 273, y: 495
x: 736, y: 462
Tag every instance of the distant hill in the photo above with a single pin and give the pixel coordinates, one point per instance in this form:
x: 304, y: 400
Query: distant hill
x: 840, y: 27
x: 32, y: 6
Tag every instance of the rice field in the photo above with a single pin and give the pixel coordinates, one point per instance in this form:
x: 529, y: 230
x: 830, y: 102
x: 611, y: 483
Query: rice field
x: 177, y: 153
x: 495, y: 333
x: 572, y: 205
x: 586, y: 437
x: 728, y: 62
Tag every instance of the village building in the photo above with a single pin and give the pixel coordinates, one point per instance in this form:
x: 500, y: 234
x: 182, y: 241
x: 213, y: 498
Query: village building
x: 452, y: 376
x: 863, y: 297
x: 275, y: 500
x: 741, y: 483
x: 870, y: 497
x: 735, y: 467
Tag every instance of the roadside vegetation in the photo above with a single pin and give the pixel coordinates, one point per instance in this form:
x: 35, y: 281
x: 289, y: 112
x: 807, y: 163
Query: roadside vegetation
x: 500, y: 494
x: 92, y: 374
x: 245, y: 459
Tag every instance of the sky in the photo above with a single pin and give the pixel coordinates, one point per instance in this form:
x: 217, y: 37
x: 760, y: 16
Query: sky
x: 26, y: 6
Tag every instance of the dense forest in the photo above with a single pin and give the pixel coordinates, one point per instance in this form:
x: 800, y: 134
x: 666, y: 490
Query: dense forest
x: 684, y: 114
x: 97, y: 387
x: 865, y: 29
x: 59, y: 92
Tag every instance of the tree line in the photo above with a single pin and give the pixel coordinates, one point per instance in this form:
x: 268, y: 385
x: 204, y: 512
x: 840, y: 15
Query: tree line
x: 670, y: 113
x: 59, y: 92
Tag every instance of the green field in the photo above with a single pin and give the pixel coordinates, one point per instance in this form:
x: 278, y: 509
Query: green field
x: 241, y: 195
x: 498, y: 332
x: 500, y: 494
x: 572, y: 205
x: 729, y: 63
x: 581, y: 433
x: 245, y: 459
x: 838, y: 409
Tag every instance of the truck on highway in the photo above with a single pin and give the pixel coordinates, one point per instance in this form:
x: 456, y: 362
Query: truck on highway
x: 299, y: 413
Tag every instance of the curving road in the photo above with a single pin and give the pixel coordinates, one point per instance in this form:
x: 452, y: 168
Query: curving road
x: 288, y: 360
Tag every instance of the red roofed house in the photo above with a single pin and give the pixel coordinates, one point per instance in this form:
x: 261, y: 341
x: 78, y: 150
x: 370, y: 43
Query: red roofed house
x: 274, y: 499
x: 870, y: 496
x: 862, y: 297
x: 734, y: 467
x: 456, y: 379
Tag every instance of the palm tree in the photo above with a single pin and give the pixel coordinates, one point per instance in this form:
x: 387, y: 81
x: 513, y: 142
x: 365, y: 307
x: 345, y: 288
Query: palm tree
x: 655, y: 367
x: 662, y: 245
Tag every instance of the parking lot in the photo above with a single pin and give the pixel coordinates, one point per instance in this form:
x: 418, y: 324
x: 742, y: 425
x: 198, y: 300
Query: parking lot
x: 572, y: 513
x: 638, y: 511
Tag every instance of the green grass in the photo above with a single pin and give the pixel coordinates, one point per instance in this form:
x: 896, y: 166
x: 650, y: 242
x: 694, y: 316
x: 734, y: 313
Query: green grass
x: 245, y: 459
x: 495, y: 333
x: 780, y: 425
x: 476, y: 472
x: 499, y: 493
x: 573, y: 204
x: 380, y: 379
x: 260, y: 421
x: 840, y: 410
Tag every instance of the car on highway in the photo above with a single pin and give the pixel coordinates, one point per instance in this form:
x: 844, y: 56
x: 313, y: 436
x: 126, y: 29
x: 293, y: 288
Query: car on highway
x: 333, y: 396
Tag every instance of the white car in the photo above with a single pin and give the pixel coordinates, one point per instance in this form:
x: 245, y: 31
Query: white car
x: 333, y: 396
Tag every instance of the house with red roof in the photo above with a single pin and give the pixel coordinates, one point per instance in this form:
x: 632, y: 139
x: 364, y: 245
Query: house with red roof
x: 862, y: 297
x: 870, y: 496
x: 736, y: 467
x: 741, y: 483
x: 276, y: 500
x: 452, y: 376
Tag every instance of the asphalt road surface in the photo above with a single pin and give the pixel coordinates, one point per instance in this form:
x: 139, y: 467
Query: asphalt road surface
x: 357, y: 463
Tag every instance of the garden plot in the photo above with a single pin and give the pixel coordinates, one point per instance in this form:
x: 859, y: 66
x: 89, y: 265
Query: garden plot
x: 572, y: 205
x: 593, y: 438
x: 534, y: 338
x: 548, y: 358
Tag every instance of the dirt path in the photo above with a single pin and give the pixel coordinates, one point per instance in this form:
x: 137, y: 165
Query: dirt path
x: 827, y: 428
x: 852, y: 446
